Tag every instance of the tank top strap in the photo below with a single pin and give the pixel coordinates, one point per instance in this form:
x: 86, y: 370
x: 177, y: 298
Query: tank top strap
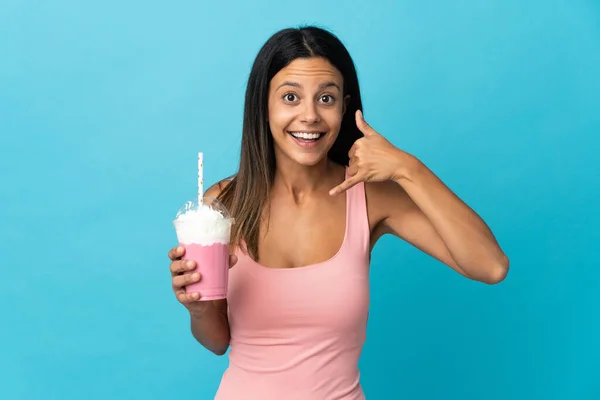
x: 358, y: 231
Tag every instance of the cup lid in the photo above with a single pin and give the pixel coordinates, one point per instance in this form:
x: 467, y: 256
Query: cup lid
x: 207, y: 201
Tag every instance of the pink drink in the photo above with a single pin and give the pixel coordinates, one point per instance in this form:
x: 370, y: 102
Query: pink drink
x: 204, y: 231
x: 213, y: 264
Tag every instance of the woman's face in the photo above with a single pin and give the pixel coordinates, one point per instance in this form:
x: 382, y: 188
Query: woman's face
x: 306, y: 109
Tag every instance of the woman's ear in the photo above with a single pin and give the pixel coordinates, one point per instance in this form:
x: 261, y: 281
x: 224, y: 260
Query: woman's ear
x: 346, y: 101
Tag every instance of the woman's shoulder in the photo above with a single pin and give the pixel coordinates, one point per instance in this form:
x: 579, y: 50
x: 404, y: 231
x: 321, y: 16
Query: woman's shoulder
x: 216, y: 189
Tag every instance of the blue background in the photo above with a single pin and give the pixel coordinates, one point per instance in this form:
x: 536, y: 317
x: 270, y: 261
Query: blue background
x: 104, y: 104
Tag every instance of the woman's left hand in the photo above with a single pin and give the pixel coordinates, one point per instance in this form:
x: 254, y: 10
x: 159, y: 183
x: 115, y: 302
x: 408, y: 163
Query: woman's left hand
x: 372, y: 158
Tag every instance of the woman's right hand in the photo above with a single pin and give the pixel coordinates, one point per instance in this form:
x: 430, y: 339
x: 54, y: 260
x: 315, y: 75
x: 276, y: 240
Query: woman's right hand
x: 183, y: 274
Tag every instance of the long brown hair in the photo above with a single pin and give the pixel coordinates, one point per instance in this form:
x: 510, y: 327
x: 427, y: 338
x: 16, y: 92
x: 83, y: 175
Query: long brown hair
x: 247, y: 195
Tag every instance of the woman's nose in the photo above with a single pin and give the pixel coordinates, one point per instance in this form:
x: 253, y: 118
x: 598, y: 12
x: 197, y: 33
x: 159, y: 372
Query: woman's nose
x: 310, y: 113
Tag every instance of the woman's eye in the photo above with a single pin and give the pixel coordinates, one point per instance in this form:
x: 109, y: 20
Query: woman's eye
x: 327, y: 99
x: 291, y: 97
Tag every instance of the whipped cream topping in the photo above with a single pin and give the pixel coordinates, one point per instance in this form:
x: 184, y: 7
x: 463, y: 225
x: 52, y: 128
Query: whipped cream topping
x: 202, y: 225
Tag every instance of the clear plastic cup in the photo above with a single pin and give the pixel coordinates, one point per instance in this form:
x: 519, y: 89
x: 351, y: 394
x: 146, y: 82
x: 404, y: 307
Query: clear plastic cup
x: 204, y: 231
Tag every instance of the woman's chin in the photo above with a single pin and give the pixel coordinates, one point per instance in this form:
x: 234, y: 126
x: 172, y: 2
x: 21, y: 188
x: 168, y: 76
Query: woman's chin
x: 308, y: 159
x: 304, y: 157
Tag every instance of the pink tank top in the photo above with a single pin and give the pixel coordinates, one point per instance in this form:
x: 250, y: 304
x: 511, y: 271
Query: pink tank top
x: 297, y: 333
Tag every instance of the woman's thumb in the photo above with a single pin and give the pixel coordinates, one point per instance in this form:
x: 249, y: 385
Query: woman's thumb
x: 233, y: 259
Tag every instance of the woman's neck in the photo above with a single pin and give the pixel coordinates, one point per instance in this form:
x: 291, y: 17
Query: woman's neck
x: 299, y: 181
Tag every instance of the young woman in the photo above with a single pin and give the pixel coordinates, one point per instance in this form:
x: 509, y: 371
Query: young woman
x: 316, y: 188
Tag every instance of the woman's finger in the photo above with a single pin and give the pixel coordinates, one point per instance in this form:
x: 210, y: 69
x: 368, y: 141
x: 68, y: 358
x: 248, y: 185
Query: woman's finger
x: 186, y: 298
x: 180, y: 281
x: 352, y: 150
x: 347, y: 184
x: 179, y: 267
x: 364, y: 127
x: 176, y: 253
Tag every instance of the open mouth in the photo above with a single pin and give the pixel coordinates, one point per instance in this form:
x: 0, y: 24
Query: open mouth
x: 306, y: 138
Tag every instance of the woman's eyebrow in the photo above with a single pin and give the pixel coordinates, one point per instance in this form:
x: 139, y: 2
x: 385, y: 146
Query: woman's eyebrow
x: 323, y: 85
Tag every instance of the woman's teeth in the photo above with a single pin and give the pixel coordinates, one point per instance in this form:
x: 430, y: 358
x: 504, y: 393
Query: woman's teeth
x: 306, y: 135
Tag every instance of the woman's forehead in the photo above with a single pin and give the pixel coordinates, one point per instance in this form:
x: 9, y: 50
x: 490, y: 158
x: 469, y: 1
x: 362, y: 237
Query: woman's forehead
x: 309, y: 70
